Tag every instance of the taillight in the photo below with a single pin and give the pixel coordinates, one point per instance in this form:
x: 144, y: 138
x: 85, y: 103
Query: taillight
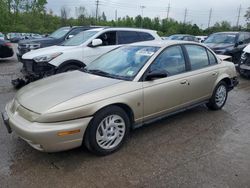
x: 8, y: 44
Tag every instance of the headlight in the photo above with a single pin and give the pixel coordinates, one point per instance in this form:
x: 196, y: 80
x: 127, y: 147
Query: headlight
x: 34, y: 46
x: 46, y: 58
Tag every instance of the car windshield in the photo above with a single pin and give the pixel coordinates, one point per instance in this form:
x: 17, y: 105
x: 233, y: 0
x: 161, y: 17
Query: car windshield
x: 176, y: 37
x: 221, y: 38
x: 122, y: 63
x: 60, y: 32
x: 1, y: 35
x: 79, y: 38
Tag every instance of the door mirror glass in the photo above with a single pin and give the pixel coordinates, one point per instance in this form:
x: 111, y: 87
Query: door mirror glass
x: 156, y: 74
x: 96, y: 42
x: 70, y: 36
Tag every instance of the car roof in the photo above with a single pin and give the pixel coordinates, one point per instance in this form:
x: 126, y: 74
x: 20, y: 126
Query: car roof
x: 161, y: 43
x: 99, y: 28
x: 228, y: 32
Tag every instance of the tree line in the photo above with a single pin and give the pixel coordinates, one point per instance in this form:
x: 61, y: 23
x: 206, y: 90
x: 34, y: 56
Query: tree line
x: 32, y: 16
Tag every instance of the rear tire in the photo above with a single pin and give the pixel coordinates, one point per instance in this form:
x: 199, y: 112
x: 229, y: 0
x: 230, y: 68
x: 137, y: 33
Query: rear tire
x: 219, y: 97
x: 107, y: 131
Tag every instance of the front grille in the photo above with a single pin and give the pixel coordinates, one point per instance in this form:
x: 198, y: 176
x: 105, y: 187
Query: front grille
x: 23, y: 48
x: 247, y: 60
x: 39, y: 69
x: 28, y: 65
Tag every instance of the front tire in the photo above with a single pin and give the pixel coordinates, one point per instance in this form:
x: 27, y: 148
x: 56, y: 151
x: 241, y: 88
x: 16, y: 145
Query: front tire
x: 107, y: 131
x: 219, y: 97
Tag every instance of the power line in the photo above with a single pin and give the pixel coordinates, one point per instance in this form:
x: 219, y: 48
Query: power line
x: 209, y: 18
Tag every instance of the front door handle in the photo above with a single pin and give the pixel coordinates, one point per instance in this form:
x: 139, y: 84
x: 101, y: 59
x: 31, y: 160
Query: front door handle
x: 214, y: 73
x: 185, y: 82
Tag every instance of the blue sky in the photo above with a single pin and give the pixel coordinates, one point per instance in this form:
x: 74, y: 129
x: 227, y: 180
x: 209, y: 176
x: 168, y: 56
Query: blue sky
x: 197, y: 11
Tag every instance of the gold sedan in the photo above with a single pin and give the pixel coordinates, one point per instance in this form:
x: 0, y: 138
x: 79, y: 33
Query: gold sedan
x: 123, y: 89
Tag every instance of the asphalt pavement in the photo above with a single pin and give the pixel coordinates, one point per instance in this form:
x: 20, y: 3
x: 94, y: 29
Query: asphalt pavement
x: 196, y: 148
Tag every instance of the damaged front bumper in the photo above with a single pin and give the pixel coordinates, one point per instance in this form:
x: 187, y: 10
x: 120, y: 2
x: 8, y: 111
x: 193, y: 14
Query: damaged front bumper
x: 33, y: 71
x: 40, y: 70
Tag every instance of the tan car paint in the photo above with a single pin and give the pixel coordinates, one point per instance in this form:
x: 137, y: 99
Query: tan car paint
x: 46, y: 103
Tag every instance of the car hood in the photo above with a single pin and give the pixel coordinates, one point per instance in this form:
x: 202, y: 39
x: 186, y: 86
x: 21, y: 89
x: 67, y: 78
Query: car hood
x: 45, y: 51
x: 42, y: 95
x: 219, y: 46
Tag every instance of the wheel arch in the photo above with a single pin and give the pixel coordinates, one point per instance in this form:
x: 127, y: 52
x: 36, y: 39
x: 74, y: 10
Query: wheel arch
x: 71, y: 62
x: 225, y: 78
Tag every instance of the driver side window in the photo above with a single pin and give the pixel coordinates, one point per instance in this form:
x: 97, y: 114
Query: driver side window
x: 108, y: 38
x: 170, y: 60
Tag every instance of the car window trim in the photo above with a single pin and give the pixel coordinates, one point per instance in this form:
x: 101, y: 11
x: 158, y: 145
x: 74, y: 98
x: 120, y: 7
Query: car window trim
x: 206, y: 53
x: 143, y: 77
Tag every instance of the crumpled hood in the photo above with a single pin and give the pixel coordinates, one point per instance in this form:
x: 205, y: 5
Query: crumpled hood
x: 247, y: 49
x: 45, y: 51
x: 44, y: 94
x: 215, y: 46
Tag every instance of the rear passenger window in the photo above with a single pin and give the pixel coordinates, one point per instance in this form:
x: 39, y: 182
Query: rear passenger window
x: 145, y: 36
x: 212, y: 58
x: 197, y: 56
x: 171, y: 60
x: 127, y: 37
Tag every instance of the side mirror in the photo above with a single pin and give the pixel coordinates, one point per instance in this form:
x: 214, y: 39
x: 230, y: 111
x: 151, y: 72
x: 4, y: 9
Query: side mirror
x: 70, y: 36
x: 96, y: 42
x: 156, y: 74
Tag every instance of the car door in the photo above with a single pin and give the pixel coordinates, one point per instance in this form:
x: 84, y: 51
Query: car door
x: 165, y: 94
x: 109, y: 40
x: 202, y: 75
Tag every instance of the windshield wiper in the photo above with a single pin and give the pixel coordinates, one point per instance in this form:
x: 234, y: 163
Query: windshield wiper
x: 105, y: 74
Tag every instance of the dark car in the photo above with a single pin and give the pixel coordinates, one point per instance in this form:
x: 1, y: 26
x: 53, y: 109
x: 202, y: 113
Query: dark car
x: 184, y: 37
x: 228, y: 43
x: 55, y: 38
x: 5, y: 49
x: 15, y: 37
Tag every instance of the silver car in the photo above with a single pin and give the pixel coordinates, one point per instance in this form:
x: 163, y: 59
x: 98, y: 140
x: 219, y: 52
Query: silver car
x: 123, y: 89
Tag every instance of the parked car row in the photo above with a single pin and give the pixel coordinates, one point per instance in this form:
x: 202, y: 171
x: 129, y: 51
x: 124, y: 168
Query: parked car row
x: 16, y: 37
x: 129, y: 86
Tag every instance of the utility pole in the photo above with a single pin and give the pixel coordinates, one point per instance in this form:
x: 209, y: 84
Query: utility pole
x: 142, y: 7
x: 168, y: 9
x: 238, y: 17
x: 185, y: 16
x: 209, y: 18
x: 96, y: 13
x: 115, y: 15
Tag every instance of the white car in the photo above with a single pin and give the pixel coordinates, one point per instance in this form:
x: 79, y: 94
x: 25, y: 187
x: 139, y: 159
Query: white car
x: 80, y: 50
